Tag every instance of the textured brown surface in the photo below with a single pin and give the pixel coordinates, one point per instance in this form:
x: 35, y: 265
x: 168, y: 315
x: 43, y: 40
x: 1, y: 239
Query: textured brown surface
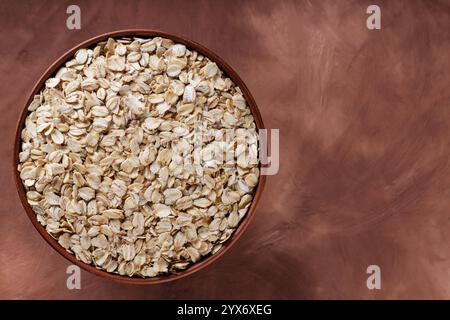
x: 364, y: 127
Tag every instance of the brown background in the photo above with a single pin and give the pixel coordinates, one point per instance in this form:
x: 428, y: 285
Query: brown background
x: 364, y: 125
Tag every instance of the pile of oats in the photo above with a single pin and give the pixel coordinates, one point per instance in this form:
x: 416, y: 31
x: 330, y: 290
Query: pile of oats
x: 121, y: 156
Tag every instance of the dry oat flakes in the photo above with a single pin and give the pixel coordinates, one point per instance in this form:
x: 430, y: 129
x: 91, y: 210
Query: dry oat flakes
x: 124, y: 161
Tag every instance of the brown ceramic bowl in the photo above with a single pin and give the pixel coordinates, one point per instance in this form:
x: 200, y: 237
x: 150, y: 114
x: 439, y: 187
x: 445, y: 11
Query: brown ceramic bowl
x: 21, y: 190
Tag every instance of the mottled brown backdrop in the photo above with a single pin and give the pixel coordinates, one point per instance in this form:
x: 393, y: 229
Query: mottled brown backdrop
x: 364, y: 125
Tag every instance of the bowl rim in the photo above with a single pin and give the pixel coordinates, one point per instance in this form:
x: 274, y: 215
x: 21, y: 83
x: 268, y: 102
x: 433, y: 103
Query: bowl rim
x: 59, y: 62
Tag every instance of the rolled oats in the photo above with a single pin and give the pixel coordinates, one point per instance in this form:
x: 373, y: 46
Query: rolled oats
x: 128, y: 160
